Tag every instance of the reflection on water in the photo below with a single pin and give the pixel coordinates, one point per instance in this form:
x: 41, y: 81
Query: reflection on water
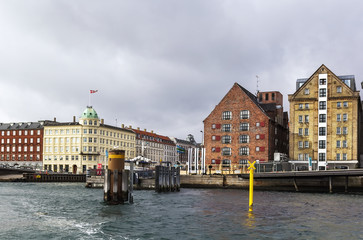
x: 71, y: 211
x: 250, y: 221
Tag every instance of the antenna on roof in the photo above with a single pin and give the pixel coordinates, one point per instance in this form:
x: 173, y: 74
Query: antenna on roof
x: 257, y: 77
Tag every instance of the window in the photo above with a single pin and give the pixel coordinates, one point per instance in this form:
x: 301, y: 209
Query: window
x: 245, y: 114
x: 227, y: 115
x: 306, y: 92
x: 338, y: 156
x: 339, y: 117
x: 322, y: 92
x: 266, y: 96
x: 339, y: 89
x: 226, y: 139
x: 257, y: 149
x: 306, y: 143
x: 321, y: 144
x: 300, y: 118
x: 306, y: 118
x: 90, y: 131
x: 345, y: 144
x: 306, y: 157
x: 226, y: 162
x: 306, y: 105
x: 322, y: 105
x: 345, y: 130
x: 344, y: 156
x: 85, y: 122
x: 300, y: 131
x: 300, y: 157
x: 339, y: 130
x: 345, y: 104
x: 339, y: 104
x: 322, y: 131
x: 306, y: 131
x: 257, y: 124
x: 226, y: 127
x: 244, y: 139
x: 300, y: 144
x: 321, y: 157
x: 226, y: 151
x: 301, y: 106
x: 244, y: 126
x: 322, y: 118
x: 345, y: 117
x: 244, y: 151
x: 322, y: 81
x: 338, y: 143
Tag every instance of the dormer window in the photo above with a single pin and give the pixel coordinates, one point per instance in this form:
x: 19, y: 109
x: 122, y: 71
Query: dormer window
x: 307, y: 91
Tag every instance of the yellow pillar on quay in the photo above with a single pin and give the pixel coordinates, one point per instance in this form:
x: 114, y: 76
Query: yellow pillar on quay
x: 251, y: 168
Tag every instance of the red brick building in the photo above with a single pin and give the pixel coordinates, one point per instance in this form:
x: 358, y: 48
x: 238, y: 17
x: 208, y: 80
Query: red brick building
x: 243, y: 127
x: 21, y: 144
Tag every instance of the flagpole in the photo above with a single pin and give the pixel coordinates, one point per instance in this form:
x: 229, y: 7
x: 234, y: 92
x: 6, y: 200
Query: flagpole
x: 89, y: 99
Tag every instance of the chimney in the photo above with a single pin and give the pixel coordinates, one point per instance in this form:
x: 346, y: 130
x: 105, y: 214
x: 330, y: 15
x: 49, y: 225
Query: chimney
x: 152, y: 131
x: 138, y: 128
x: 123, y: 125
x: 102, y: 121
x: 55, y: 119
x: 145, y: 129
x: 130, y: 126
x: 74, y: 118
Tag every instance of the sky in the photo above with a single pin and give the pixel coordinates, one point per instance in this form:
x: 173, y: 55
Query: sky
x: 163, y: 65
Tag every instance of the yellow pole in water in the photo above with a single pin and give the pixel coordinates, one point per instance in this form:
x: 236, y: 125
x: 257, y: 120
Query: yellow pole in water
x: 251, y: 168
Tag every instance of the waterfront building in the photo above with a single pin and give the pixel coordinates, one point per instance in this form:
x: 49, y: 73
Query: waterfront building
x: 243, y: 128
x: 78, y: 146
x: 21, y: 144
x: 325, y: 121
x: 155, y: 147
x: 182, y: 147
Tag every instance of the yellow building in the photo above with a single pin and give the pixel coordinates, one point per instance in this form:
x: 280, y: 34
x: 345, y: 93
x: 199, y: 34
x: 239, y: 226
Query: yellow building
x: 78, y: 146
x: 325, y: 115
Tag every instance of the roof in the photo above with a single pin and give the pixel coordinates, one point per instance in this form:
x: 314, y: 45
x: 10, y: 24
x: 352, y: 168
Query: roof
x: 117, y: 128
x: 89, y: 112
x: 254, y: 99
x: 153, y: 137
x: 21, y: 126
x: 56, y: 124
x: 349, y: 80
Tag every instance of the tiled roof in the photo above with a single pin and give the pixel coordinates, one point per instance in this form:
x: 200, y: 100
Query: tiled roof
x: 153, y: 137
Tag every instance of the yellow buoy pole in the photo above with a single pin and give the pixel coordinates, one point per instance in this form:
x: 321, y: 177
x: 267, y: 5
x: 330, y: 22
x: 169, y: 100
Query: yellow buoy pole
x: 251, y: 168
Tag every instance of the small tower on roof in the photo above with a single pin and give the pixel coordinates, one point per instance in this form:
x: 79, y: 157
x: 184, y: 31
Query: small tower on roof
x: 89, y: 117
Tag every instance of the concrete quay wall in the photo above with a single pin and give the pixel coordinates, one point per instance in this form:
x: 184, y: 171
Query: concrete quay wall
x: 306, y: 184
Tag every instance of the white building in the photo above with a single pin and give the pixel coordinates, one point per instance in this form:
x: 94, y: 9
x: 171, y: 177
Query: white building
x: 78, y: 146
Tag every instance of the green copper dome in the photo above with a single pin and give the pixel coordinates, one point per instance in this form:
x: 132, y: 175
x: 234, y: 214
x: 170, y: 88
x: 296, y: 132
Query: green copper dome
x: 89, y: 113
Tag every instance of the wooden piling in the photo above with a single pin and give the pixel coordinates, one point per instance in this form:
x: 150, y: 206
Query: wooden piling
x: 116, y: 185
x: 167, y: 179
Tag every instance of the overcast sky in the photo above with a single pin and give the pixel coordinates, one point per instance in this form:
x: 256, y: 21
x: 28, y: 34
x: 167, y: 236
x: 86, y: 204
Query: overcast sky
x: 161, y: 64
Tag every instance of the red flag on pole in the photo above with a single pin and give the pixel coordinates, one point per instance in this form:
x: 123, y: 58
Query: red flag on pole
x: 93, y: 91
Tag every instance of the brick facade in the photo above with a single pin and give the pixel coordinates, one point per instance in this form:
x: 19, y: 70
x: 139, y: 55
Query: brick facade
x: 255, y: 133
x: 21, y: 144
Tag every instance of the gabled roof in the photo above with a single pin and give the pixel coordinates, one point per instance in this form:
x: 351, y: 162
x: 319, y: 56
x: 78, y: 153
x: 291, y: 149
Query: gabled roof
x: 249, y: 95
x: 305, y: 81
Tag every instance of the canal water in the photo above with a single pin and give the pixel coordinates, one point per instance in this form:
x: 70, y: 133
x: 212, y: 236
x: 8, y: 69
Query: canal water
x: 71, y: 211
